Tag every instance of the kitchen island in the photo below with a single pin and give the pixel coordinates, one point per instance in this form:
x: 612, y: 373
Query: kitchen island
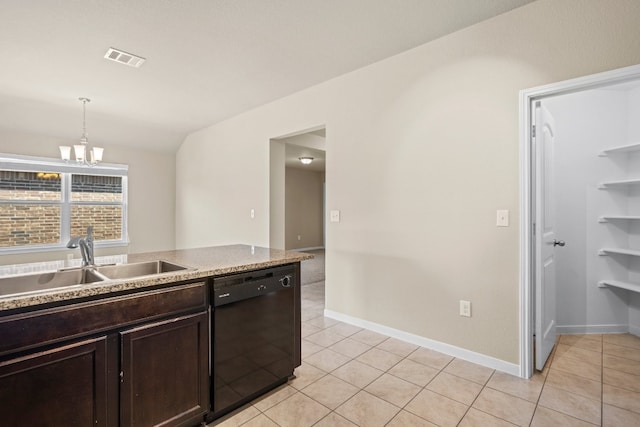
x: 129, y: 351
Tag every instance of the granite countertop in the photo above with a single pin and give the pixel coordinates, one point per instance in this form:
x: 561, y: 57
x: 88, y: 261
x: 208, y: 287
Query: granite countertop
x: 201, y: 263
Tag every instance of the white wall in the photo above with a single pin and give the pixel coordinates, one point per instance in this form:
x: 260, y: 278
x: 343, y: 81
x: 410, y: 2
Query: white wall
x: 587, y: 123
x: 151, y: 203
x: 634, y: 137
x: 277, y: 195
x: 308, y: 140
x: 303, y: 212
x: 439, y: 128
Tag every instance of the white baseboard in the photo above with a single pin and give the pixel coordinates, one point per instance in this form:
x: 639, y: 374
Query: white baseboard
x: 451, y: 350
x: 313, y: 248
x: 592, y: 329
x: 635, y: 330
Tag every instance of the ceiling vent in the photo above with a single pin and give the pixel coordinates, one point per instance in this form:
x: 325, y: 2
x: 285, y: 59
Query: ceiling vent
x: 124, y: 58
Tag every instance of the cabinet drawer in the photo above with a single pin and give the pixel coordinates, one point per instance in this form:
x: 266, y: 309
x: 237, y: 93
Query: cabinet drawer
x: 28, y: 330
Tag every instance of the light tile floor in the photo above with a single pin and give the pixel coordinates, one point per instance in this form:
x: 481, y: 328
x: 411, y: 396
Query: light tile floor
x: 356, y: 377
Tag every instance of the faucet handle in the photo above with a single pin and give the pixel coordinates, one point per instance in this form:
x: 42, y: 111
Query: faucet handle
x: 90, y: 231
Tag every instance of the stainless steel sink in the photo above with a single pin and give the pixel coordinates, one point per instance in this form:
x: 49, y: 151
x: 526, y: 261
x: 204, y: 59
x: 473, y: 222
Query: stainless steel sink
x: 128, y: 271
x: 77, y: 277
x: 40, y: 282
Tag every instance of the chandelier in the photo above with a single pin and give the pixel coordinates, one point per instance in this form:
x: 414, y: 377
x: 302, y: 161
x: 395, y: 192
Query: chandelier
x: 80, y: 150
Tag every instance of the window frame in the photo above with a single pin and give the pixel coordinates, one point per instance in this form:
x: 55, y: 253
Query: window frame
x: 13, y: 162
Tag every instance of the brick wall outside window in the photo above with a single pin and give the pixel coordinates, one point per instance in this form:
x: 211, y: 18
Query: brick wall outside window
x: 106, y: 221
x: 23, y: 224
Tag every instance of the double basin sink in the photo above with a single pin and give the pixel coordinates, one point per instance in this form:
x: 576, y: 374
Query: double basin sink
x: 77, y: 277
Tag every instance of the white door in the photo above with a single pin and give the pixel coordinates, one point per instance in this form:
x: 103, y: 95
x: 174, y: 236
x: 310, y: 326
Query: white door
x: 545, y: 239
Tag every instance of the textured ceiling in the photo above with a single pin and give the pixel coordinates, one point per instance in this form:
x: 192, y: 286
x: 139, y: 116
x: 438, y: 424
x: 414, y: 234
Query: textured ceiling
x: 207, y: 60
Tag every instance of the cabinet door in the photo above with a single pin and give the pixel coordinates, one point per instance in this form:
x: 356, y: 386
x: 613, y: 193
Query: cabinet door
x: 165, y: 372
x: 63, y: 386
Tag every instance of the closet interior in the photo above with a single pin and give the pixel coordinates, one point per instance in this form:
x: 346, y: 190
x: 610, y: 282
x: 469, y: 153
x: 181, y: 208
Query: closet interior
x: 597, y: 206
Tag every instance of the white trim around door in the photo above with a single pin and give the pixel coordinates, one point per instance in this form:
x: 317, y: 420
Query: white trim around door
x: 527, y: 99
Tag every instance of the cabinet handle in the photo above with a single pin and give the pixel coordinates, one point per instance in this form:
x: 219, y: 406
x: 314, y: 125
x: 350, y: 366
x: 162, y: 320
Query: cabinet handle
x: 121, y: 376
x: 558, y: 242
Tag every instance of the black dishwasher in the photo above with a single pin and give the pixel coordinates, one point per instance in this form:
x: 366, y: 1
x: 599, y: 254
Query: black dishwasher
x: 254, y: 335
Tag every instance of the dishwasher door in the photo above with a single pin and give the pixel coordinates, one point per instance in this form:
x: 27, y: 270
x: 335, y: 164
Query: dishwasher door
x: 253, y: 336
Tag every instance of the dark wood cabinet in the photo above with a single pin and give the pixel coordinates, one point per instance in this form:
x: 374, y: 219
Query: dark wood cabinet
x: 139, y: 359
x: 32, y: 329
x: 164, y: 377
x: 64, y: 386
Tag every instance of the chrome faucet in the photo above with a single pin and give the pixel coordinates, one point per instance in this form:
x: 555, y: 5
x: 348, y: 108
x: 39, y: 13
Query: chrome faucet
x: 86, y: 247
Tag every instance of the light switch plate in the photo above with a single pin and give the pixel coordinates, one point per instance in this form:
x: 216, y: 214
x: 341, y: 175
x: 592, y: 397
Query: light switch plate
x: 335, y: 216
x: 253, y: 213
x: 465, y: 308
x: 502, y: 218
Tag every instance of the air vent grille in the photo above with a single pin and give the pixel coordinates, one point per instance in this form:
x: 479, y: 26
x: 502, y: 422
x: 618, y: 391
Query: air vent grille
x: 124, y: 58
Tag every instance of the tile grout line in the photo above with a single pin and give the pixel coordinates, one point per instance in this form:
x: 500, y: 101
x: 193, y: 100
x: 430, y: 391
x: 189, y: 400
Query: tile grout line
x: 422, y: 387
x: 602, y: 382
x: 476, y: 398
x: 441, y: 370
x: 486, y: 385
x: 360, y: 389
x: 351, y: 359
x: 544, y: 383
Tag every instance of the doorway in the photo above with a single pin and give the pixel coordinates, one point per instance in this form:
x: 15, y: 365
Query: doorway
x: 297, y: 177
x: 546, y: 150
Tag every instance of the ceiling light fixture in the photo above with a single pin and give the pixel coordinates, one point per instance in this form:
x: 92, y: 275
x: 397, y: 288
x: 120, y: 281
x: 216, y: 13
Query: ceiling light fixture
x: 80, y: 150
x: 305, y: 160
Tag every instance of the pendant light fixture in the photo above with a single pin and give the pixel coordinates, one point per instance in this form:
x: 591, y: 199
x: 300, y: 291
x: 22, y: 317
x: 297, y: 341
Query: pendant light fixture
x: 80, y: 150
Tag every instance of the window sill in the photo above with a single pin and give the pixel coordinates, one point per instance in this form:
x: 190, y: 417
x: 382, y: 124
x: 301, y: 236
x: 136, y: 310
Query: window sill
x: 53, y: 248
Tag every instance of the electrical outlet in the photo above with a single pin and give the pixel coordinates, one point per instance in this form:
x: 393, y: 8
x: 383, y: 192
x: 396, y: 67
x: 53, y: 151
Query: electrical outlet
x: 253, y: 213
x: 299, y: 237
x: 465, y: 308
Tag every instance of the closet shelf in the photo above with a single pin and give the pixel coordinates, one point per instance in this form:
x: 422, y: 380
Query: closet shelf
x: 607, y: 218
x: 635, y: 287
x: 624, y: 182
x: 607, y: 251
x: 621, y: 149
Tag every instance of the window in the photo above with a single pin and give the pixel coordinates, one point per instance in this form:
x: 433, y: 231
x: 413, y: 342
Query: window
x: 44, y: 202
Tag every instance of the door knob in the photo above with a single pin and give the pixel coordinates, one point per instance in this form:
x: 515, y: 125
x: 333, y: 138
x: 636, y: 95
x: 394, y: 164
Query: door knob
x: 558, y: 242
